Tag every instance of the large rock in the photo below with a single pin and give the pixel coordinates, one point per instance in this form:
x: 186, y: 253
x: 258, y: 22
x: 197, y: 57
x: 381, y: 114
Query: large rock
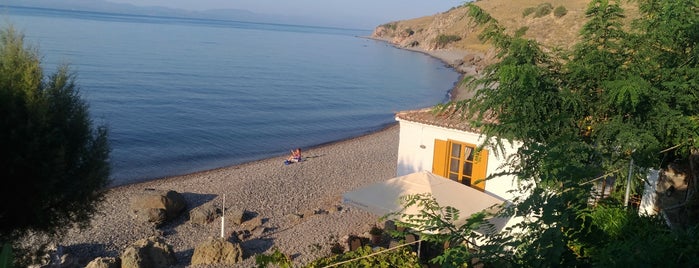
x: 204, y: 214
x: 158, y: 206
x: 104, y: 262
x: 217, y: 251
x: 152, y: 252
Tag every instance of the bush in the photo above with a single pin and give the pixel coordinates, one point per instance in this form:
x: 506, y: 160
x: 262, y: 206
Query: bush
x: 409, y: 31
x: 560, y: 11
x: 50, y: 150
x: 391, y: 26
x: 521, y: 31
x: 401, y: 257
x: 528, y: 11
x: 443, y: 39
x: 543, y: 10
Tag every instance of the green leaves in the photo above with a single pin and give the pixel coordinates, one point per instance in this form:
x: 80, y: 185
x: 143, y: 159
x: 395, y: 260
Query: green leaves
x: 623, y: 93
x: 50, y: 150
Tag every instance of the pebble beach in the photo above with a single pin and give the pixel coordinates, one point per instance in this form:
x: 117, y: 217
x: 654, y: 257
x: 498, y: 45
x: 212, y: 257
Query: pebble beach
x: 267, y: 189
x: 273, y: 193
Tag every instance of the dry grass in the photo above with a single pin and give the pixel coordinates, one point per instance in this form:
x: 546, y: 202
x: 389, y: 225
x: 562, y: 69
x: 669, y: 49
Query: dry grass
x: 548, y: 30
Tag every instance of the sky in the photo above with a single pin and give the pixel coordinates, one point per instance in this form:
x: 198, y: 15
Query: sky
x: 365, y: 14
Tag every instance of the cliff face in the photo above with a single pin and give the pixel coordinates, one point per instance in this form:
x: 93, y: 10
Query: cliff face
x: 423, y: 32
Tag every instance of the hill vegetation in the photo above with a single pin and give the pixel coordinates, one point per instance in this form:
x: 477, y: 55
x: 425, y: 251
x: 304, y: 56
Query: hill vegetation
x: 553, y: 23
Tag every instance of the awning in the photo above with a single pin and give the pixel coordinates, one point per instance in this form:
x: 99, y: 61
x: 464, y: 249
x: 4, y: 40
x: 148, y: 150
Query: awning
x: 384, y: 197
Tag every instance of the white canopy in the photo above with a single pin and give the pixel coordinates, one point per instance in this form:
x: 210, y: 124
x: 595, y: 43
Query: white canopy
x: 384, y: 197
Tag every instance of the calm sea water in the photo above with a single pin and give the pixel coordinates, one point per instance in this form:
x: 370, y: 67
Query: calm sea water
x: 186, y: 95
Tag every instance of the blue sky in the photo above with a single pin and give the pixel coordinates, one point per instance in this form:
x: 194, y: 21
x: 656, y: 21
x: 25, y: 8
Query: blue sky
x: 349, y: 13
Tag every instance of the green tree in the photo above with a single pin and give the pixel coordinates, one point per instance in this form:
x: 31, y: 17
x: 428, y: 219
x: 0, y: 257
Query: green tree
x: 53, y: 163
x: 620, y: 97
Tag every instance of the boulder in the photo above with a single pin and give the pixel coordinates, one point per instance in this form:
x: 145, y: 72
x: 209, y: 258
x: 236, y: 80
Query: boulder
x: 157, y: 206
x: 152, y: 252
x: 217, y: 251
x: 104, y: 262
x: 204, y: 214
x: 236, y: 216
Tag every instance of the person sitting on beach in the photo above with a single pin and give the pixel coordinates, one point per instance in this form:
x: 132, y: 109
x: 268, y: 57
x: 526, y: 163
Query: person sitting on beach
x: 294, y: 157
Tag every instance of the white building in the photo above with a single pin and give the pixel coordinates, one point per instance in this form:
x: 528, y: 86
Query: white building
x: 447, y: 146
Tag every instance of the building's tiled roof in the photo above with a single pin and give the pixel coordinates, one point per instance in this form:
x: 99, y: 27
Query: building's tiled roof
x: 430, y: 117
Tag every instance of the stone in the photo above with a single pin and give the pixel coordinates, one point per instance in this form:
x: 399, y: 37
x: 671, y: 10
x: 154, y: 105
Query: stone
x: 236, y: 216
x: 104, y: 262
x: 354, y: 242
x: 293, y: 217
x: 409, y: 238
x: 157, y: 206
x: 217, y: 251
x: 152, y: 252
x: 393, y: 243
x: 389, y: 226
x: 203, y: 214
x: 253, y: 223
x: 258, y: 231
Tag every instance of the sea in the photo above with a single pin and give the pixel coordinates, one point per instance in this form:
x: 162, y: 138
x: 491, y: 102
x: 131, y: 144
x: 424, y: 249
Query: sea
x: 182, y: 95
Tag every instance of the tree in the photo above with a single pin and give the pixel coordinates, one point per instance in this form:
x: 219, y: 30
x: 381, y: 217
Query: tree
x: 625, y: 95
x: 53, y: 163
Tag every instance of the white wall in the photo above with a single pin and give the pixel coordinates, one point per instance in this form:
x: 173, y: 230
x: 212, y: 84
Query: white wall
x: 416, y: 149
x: 647, y: 206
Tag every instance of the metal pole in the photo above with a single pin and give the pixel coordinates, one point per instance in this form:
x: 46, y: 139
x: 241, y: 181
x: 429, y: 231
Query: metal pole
x: 628, y: 184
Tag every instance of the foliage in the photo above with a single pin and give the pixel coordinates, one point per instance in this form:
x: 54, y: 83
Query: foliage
x: 375, y: 230
x: 521, y: 31
x: 560, y: 11
x: 401, y: 257
x: 543, y: 9
x: 6, y: 256
x: 619, y: 97
x: 539, y: 11
x: 409, y: 31
x: 277, y: 257
x: 438, y: 225
x: 625, y: 239
x: 528, y: 11
x: 391, y: 26
x: 51, y: 155
x: 443, y: 40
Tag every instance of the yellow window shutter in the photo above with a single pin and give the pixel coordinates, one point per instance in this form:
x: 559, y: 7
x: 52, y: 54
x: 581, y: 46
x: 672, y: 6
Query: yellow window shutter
x: 439, y: 160
x: 480, y: 169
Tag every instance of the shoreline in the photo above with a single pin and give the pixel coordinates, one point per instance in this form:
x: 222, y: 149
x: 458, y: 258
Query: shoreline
x: 298, y: 207
x: 453, y: 58
x: 450, y: 58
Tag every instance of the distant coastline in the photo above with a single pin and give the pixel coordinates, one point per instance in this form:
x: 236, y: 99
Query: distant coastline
x: 454, y: 58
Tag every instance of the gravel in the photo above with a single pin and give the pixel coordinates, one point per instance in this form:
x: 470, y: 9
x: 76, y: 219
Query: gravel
x: 267, y: 189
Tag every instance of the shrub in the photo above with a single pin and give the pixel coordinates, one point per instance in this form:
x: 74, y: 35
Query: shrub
x: 560, y: 11
x: 376, y: 230
x: 443, y: 39
x: 337, y: 248
x: 543, y: 10
x: 528, y: 11
x: 521, y: 31
x: 409, y: 31
x: 401, y: 257
x: 391, y: 26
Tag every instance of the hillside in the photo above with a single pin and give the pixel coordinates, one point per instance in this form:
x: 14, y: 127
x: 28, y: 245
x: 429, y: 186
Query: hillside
x: 550, y: 30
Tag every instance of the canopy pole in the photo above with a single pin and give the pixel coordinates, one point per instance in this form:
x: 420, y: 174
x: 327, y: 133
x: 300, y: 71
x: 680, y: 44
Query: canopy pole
x: 223, y: 216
